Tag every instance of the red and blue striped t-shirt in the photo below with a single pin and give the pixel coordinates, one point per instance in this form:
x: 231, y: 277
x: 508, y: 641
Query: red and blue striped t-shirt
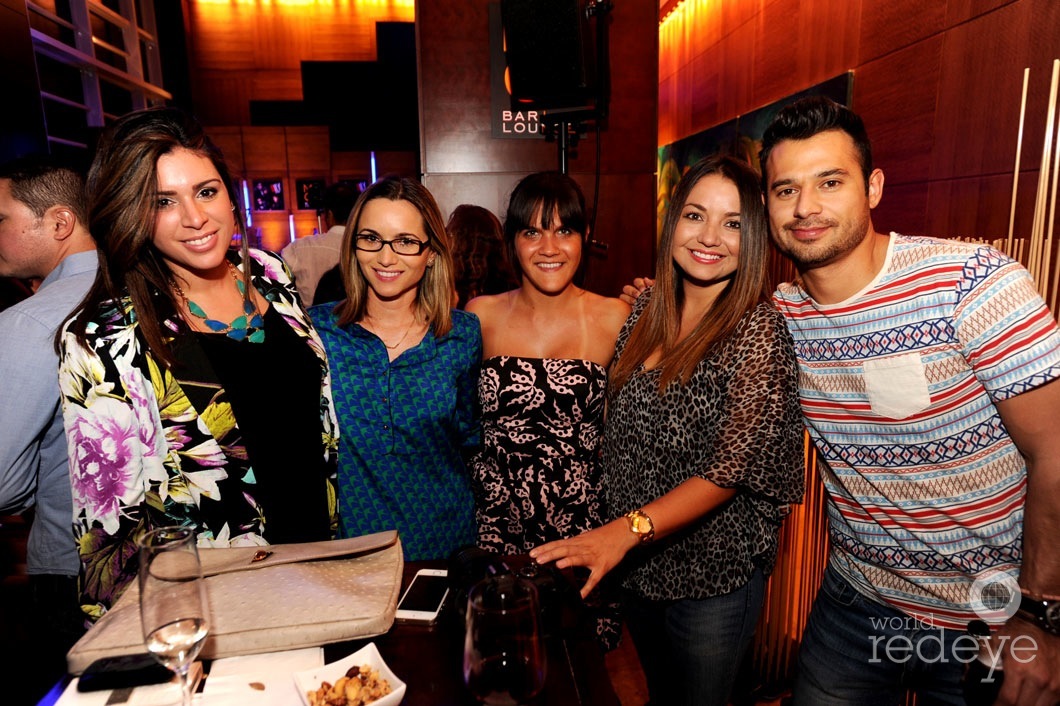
x: 898, y: 385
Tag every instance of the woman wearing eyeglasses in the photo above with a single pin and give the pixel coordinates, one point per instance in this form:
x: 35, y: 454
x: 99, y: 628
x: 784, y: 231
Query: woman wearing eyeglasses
x: 403, y: 365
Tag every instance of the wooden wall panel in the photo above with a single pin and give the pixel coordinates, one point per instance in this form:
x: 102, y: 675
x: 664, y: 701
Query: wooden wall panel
x: 736, y: 12
x: 671, y: 61
x: 277, y: 85
x: 985, y: 103
x: 739, y: 68
x: 264, y: 150
x: 778, y: 64
x: 358, y: 165
x: 308, y: 149
x: 775, y: 62
x: 272, y: 229
x: 900, y: 117
x: 888, y: 26
x: 976, y: 207
x: 991, y: 44
x: 222, y: 98
x: 351, y: 165
x: 825, y: 59
x: 903, y: 209
x: 627, y: 147
x: 668, y: 111
x: 243, y: 51
x: 230, y: 141
x: 706, y: 90
x: 626, y: 226
x: 400, y: 163
x: 937, y: 83
x: 958, y: 11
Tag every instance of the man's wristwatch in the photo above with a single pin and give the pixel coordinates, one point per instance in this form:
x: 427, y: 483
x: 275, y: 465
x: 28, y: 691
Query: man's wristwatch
x: 1043, y: 612
x: 641, y: 525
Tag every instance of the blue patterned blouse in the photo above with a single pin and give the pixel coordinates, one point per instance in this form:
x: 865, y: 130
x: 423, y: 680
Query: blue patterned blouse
x: 406, y: 427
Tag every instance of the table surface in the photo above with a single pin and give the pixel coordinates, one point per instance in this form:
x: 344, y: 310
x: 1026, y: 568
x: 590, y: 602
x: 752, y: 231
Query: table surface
x: 430, y: 660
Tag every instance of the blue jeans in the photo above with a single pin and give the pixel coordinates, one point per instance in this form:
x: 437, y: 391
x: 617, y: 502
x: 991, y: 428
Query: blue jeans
x: 858, y: 652
x: 691, y: 649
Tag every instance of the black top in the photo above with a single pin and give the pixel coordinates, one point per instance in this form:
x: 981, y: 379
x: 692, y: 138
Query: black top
x: 737, y: 423
x: 274, y: 387
x: 536, y: 477
x: 330, y: 287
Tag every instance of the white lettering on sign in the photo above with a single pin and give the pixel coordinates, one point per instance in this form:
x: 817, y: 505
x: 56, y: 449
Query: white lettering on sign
x: 520, y: 123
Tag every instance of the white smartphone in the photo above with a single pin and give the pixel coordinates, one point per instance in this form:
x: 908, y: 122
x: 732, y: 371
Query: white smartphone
x: 424, y: 597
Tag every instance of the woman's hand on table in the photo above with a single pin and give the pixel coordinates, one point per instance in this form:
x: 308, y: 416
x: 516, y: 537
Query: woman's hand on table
x: 599, y: 550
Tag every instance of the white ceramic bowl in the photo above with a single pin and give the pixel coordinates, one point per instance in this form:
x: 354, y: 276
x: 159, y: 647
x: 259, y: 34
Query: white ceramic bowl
x: 310, y: 679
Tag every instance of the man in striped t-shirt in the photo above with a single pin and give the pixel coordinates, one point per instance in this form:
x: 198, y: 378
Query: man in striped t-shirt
x: 927, y: 381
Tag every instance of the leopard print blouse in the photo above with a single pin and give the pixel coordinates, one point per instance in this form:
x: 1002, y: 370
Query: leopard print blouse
x: 735, y: 423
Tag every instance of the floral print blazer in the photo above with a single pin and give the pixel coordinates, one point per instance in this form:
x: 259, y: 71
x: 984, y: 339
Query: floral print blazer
x: 143, y: 454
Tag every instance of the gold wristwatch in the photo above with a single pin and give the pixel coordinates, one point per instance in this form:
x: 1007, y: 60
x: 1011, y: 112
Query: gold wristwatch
x: 641, y: 525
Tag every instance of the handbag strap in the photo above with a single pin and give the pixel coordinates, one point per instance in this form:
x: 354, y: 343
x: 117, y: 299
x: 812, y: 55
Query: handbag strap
x: 225, y: 560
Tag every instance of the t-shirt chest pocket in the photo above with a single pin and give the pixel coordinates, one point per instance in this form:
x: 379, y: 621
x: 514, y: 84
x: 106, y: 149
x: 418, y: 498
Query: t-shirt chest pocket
x: 897, y: 386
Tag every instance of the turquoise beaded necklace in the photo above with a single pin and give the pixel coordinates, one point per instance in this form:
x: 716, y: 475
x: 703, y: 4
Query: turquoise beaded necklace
x: 248, y: 326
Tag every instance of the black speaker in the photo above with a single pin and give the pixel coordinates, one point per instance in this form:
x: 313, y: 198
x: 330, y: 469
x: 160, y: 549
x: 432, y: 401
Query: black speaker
x: 551, y: 54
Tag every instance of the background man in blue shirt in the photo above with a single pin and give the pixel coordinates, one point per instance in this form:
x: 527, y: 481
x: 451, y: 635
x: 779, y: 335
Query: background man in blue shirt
x: 43, y: 236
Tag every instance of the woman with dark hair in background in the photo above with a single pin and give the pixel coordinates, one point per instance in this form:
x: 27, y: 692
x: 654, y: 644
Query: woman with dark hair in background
x: 184, y: 360
x: 478, y: 254
x: 703, y: 449
x: 404, y: 365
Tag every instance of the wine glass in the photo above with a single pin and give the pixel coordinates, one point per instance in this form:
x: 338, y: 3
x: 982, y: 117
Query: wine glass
x: 173, y: 605
x: 504, y: 656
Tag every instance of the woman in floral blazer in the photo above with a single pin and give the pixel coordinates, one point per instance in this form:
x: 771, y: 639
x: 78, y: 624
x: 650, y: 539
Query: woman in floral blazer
x: 200, y: 395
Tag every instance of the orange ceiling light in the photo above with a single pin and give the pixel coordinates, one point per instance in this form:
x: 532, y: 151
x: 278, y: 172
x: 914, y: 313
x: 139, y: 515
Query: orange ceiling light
x: 316, y: 10
x: 322, y: 4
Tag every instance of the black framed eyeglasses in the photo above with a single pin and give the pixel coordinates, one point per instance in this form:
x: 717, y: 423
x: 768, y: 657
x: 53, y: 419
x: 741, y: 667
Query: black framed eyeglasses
x: 404, y: 245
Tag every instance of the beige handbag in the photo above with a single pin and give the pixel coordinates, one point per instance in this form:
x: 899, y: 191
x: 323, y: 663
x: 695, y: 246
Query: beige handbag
x: 279, y: 597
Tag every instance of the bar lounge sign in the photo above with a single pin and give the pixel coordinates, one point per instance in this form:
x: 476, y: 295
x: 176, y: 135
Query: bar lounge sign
x: 507, y: 122
x: 518, y: 123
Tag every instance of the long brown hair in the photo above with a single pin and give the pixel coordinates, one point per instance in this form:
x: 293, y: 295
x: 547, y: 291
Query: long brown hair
x: 480, y: 264
x: 434, y: 295
x: 660, y: 323
x: 122, y: 187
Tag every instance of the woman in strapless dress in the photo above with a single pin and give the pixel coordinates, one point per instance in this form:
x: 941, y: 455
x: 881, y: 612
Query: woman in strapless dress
x: 546, y: 348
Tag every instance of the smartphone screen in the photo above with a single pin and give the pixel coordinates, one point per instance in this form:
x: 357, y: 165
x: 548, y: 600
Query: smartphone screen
x: 424, y: 596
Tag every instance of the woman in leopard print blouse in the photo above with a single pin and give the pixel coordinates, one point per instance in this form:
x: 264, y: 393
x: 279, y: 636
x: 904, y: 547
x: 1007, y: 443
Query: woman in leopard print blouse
x: 703, y: 449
